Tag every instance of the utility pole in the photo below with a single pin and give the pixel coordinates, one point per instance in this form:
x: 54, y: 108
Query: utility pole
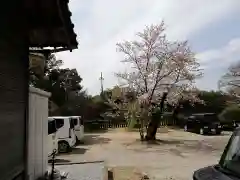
x: 101, y: 80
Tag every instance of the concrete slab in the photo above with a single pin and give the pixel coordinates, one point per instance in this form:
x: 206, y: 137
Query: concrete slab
x: 87, y: 171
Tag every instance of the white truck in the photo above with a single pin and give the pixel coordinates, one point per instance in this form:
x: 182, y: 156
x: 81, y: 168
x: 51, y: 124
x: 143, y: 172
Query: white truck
x: 78, y: 127
x: 65, y: 133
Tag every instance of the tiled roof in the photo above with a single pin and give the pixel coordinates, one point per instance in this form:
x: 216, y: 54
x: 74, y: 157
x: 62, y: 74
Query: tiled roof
x: 50, y: 25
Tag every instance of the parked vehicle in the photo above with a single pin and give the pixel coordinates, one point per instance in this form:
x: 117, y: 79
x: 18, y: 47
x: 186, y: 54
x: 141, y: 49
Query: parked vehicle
x: 78, y: 127
x: 52, y: 137
x: 204, y: 123
x: 230, y: 126
x: 65, y: 133
x: 229, y: 165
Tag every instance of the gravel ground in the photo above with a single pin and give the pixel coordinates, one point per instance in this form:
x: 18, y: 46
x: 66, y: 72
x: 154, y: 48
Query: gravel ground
x: 175, y: 156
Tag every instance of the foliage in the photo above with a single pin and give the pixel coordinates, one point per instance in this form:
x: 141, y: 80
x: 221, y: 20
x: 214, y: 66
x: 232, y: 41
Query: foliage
x: 90, y: 108
x: 230, y: 114
x: 212, y: 102
x: 66, y: 91
x: 215, y: 101
x: 51, y: 63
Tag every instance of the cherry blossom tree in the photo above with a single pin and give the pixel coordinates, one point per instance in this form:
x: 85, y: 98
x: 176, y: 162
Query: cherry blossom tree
x: 184, y: 93
x: 158, y: 67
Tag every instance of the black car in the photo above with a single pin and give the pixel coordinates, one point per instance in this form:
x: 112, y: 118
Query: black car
x: 204, y: 123
x: 228, y: 167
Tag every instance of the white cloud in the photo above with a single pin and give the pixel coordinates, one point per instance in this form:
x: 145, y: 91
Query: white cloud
x: 222, y: 56
x: 215, y: 63
x: 101, y: 23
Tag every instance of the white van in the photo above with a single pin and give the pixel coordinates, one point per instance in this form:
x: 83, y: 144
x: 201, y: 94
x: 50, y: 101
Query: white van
x: 52, y: 138
x: 65, y: 133
x: 78, y: 127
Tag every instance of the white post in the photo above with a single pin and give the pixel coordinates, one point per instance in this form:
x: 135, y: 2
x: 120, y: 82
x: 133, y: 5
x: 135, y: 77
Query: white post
x: 37, y: 133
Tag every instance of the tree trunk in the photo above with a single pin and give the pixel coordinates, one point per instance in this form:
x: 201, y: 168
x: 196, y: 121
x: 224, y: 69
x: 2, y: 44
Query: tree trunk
x: 176, y: 111
x: 153, y: 124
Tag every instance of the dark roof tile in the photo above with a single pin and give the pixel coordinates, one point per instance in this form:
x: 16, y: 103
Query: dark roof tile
x: 50, y: 24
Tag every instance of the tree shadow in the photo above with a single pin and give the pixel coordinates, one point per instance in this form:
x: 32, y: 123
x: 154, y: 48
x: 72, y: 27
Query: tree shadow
x: 199, y: 146
x: 77, y: 150
x: 91, y: 139
x: 58, y: 160
x: 187, y: 144
x: 96, y: 131
x: 176, y: 152
x: 157, y: 142
x: 168, y: 142
x: 176, y: 147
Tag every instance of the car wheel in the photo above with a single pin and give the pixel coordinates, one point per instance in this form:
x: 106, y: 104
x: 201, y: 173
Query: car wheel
x: 63, y: 147
x: 201, y: 131
x: 185, y: 128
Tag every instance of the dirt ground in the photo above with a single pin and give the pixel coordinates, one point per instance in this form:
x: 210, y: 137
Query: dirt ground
x: 174, y: 156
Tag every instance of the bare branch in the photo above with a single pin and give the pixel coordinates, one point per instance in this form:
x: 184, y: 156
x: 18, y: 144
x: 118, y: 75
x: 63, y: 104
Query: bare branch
x: 230, y: 82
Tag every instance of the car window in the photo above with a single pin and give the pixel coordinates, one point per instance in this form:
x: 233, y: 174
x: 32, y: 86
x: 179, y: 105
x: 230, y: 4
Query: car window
x: 52, y: 127
x: 232, y: 158
x: 59, y: 123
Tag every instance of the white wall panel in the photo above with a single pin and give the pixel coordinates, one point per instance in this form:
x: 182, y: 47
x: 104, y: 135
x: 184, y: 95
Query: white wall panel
x: 37, y: 133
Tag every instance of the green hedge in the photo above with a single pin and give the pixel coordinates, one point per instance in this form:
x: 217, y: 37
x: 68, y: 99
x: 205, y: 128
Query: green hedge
x: 93, y: 126
x: 230, y: 113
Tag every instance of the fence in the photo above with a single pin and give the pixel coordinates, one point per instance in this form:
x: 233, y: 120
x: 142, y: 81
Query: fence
x: 88, y: 126
x: 168, y: 122
x: 105, y: 125
x: 113, y: 125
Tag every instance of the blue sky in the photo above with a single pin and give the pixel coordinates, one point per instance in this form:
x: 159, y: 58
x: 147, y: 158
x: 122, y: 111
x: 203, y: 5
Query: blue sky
x: 212, y: 28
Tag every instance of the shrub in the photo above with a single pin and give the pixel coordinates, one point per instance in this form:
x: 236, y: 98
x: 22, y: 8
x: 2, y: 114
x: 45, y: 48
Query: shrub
x: 230, y: 113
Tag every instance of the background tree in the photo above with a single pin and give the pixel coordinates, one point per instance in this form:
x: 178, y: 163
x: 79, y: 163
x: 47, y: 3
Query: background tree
x: 230, y: 82
x: 231, y: 113
x: 56, y: 80
x: 214, y: 102
x: 66, y: 92
x: 157, y: 65
x: 51, y: 63
x: 208, y: 102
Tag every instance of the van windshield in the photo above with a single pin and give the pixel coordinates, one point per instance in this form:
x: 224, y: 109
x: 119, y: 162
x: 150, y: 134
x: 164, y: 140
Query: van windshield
x: 52, y: 127
x: 231, y: 158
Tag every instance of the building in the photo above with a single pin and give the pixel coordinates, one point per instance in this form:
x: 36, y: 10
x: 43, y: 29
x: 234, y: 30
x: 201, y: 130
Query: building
x: 37, y: 26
